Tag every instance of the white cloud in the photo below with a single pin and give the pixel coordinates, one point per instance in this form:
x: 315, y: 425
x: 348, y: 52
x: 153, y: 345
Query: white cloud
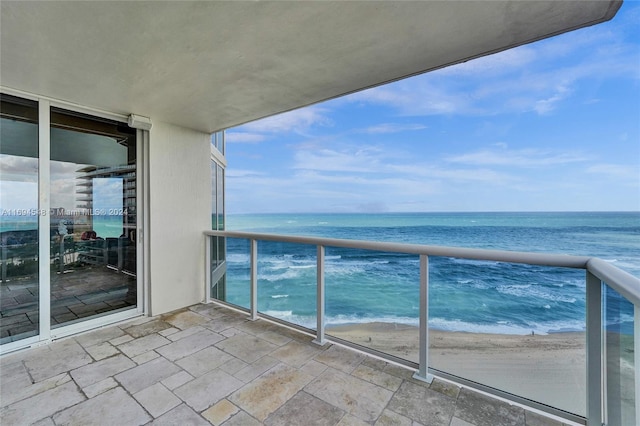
x: 352, y: 160
x: 430, y: 171
x: 19, y: 169
x: 393, y: 128
x: 297, y: 121
x: 418, y: 96
x: 517, y: 158
x: 64, y: 170
x: 243, y: 137
x: 545, y: 106
x: 18, y: 195
x: 617, y: 171
x: 234, y: 173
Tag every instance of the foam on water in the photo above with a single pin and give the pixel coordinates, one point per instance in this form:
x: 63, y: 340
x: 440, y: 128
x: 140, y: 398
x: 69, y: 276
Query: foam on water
x: 530, y: 291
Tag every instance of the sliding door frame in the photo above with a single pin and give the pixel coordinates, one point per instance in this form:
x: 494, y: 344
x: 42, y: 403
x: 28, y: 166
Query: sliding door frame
x: 45, y: 332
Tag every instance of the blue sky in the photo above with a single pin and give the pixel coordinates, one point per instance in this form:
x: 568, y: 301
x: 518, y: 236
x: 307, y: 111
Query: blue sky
x: 549, y: 126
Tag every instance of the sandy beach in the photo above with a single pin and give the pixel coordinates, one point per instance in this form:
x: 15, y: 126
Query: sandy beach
x: 546, y: 368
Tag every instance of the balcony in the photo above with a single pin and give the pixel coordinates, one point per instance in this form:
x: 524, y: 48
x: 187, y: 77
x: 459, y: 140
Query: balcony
x: 221, y: 364
x: 208, y: 364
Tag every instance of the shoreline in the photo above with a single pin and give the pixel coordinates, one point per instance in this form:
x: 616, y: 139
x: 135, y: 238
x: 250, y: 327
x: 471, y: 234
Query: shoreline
x: 460, y: 339
x: 549, y: 368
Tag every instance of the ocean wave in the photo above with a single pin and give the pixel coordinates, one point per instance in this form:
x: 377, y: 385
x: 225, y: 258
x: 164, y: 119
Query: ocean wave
x: 280, y: 314
x: 532, y: 291
x: 474, y: 262
x: 302, y: 266
x: 344, y: 269
x: 474, y: 283
x: 356, y: 319
x: 238, y: 258
x: 288, y: 274
x: 279, y: 296
x: 500, y: 327
x: 505, y: 327
x: 285, y: 267
x: 629, y: 264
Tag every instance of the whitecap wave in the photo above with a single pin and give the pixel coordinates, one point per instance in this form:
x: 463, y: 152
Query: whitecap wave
x: 500, y: 327
x: 287, y: 274
x: 279, y: 314
x: 506, y: 327
x: 238, y: 258
x: 532, y: 291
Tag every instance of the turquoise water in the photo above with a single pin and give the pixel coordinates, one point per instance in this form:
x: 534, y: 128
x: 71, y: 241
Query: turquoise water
x: 465, y: 295
x: 105, y: 226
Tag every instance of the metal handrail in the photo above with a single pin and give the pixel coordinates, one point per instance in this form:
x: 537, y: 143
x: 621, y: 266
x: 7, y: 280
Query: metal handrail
x: 542, y: 259
x: 619, y: 280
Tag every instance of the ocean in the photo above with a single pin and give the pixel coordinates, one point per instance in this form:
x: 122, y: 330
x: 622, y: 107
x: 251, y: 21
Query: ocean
x: 464, y: 295
x: 104, y: 225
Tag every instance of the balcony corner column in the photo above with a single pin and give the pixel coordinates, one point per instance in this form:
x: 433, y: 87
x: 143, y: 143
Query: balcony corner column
x: 423, y: 371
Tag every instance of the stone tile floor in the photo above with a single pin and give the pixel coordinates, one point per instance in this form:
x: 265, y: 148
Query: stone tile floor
x: 210, y: 365
x: 80, y: 292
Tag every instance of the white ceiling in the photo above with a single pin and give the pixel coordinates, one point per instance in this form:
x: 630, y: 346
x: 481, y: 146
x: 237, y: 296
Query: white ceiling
x: 212, y: 65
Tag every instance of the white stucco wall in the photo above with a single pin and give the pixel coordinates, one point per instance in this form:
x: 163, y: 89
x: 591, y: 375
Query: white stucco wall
x: 180, y: 209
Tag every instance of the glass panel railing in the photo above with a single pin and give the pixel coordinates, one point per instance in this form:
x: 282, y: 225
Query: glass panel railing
x: 515, y: 324
x: 217, y: 263
x: 237, y: 282
x: 287, y: 276
x: 619, y: 351
x: 373, y: 299
x: 508, y: 326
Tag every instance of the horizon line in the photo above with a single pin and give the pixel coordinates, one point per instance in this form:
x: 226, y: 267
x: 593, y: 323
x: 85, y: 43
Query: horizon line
x: 439, y: 212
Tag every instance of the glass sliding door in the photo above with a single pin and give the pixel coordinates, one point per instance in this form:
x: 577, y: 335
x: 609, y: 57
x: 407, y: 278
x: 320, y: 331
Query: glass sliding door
x: 19, y: 283
x: 93, y: 217
x: 68, y: 220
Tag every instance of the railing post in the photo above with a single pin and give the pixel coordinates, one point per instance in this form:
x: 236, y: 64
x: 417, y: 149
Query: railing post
x: 423, y: 371
x: 594, y: 350
x: 254, y: 279
x: 207, y: 270
x: 320, y: 340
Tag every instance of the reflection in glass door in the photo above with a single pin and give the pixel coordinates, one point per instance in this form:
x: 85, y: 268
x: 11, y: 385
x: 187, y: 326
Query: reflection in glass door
x: 93, y: 217
x: 19, y: 284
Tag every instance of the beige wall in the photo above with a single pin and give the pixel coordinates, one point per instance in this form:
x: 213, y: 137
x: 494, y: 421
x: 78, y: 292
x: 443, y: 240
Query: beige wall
x: 180, y: 209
